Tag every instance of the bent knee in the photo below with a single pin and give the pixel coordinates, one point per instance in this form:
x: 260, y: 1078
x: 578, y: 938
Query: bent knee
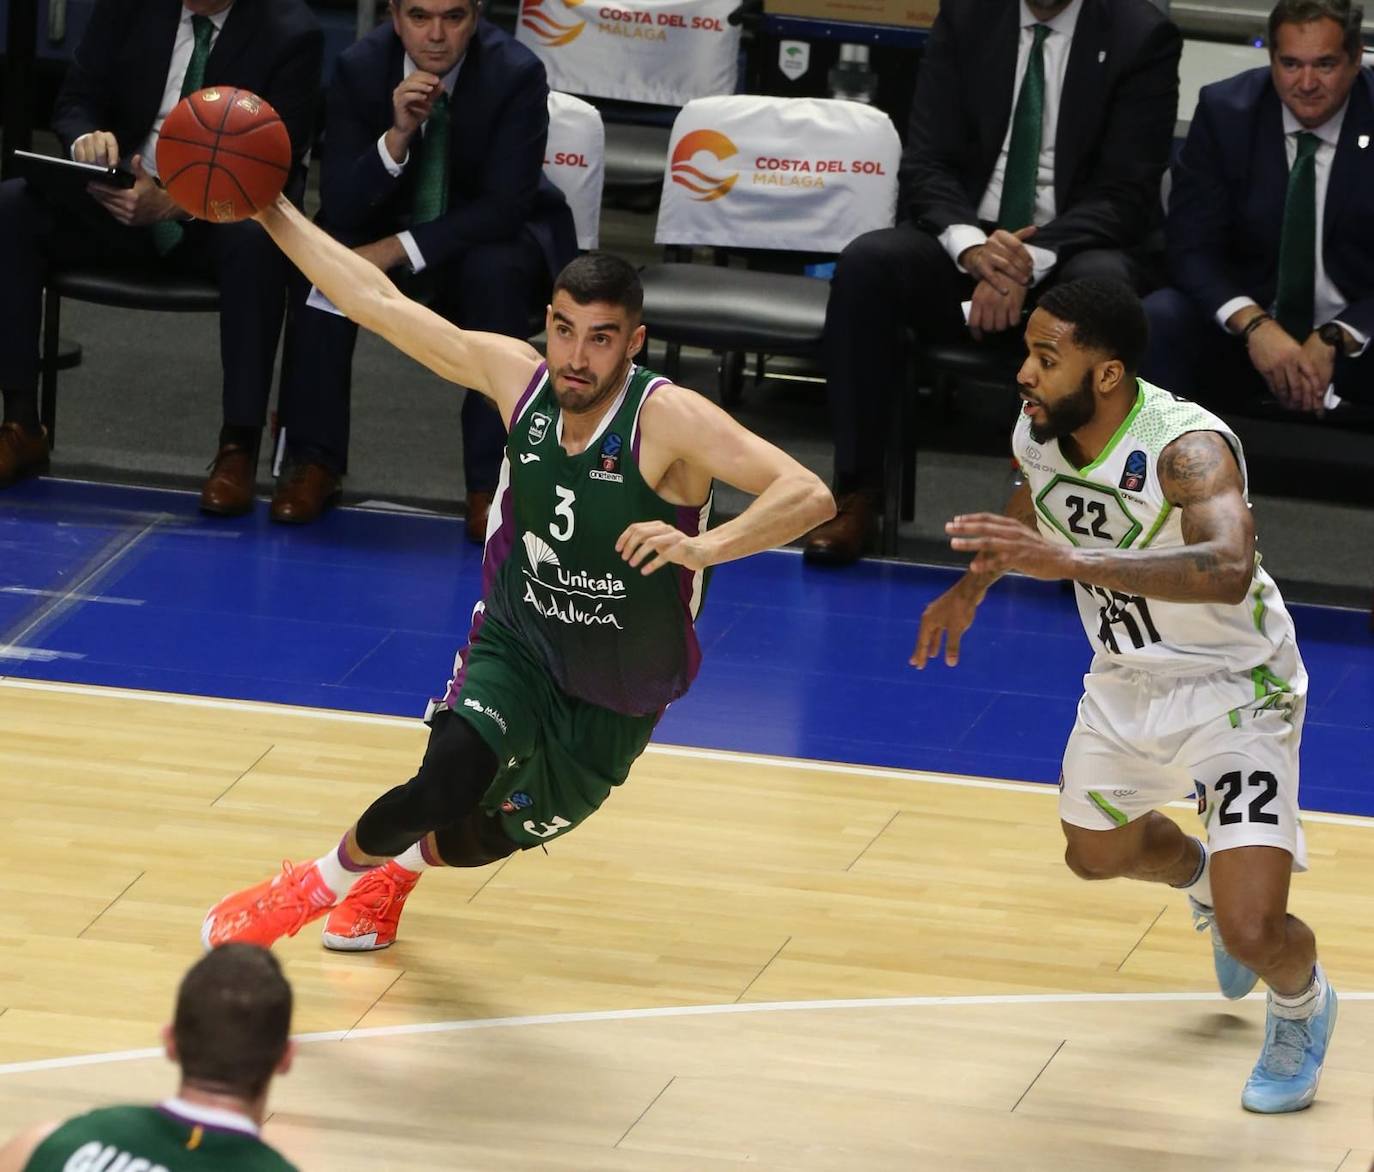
x: 1257, y: 940
x: 1093, y: 854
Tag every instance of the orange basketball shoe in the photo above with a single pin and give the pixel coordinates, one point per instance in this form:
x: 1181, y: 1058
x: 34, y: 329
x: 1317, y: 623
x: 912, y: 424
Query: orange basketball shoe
x: 367, y: 918
x: 264, y: 913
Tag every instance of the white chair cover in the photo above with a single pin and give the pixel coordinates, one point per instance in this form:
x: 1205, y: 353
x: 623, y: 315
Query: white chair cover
x: 575, y: 161
x: 803, y: 174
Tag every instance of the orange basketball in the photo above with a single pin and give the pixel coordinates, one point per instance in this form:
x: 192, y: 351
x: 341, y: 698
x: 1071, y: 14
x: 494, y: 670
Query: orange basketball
x: 223, y: 154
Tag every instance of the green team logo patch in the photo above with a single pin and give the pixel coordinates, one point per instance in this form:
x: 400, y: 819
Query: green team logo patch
x: 1089, y: 515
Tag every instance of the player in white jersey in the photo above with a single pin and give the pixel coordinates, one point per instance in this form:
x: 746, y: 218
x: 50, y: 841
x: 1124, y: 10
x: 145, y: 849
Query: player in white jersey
x: 1196, y: 684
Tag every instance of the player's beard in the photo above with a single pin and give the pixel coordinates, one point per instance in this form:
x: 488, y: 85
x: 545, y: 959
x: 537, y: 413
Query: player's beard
x: 1069, y: 414
x: 580, y: 400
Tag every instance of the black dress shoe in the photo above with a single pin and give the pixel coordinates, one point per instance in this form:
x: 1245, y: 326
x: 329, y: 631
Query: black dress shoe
x: 843, y: 538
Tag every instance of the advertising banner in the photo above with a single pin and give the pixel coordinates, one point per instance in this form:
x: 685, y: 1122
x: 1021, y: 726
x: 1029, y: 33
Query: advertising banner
x: 662, y: 51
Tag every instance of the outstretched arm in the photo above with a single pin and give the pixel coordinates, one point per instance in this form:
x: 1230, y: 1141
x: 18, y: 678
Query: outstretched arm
x: 949, y: 616
x: 1199, y: 475
x: 493, y: 364
x: 696, y: 442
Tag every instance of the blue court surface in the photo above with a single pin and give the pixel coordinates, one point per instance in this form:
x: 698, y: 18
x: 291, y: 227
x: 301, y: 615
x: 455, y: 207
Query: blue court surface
x: 363, y: 611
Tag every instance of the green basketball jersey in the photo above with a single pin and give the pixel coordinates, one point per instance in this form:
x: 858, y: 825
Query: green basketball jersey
x: 551, y: 574
x: 172, y: 1137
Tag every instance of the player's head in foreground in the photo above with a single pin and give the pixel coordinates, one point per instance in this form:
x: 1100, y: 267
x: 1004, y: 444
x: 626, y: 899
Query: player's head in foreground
x: 594, y: 330
x: 1084, y: 343
x: 231, y: 1031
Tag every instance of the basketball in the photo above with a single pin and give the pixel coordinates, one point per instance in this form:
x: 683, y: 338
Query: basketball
x: 223, y: 154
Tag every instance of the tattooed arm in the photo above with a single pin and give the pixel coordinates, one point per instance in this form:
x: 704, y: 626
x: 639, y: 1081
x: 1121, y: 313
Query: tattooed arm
x: 1200, y: 477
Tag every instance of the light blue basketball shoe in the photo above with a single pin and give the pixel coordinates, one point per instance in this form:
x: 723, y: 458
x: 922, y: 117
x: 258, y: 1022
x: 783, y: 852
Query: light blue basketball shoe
x: 1233, y: 978
x: 1290, y: 1065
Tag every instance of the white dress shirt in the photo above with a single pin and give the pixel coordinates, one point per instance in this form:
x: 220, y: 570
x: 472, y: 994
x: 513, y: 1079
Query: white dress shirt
x: 413, y: 254
x: 182, y: 48
x: 958, y: 238
x: 1327, y: 301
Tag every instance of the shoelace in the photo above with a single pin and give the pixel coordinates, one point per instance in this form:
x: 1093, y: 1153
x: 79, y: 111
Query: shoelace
x: 1286, y: 1049
x: 223, y: 454
x: 289, y: 895
x: 380, y: 890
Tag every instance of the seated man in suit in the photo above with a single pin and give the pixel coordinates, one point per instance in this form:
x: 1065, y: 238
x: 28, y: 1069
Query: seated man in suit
x: 1039, y: 133
x: 1271, y: 229
x: 137, y: 59
x: 435, y: 129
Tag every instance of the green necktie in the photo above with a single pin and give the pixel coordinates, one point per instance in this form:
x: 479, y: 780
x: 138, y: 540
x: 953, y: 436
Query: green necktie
x: 1298, y: 245
x: 431, y: 172
x: 167, y: 234
x: 1023, y: 153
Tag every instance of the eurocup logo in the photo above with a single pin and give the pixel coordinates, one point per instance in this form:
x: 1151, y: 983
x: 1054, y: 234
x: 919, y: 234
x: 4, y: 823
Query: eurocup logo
x: 546, y: 26
x: 703, y: 186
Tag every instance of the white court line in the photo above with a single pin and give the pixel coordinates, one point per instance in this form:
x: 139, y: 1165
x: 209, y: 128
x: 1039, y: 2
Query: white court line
x: 733, y: 1007
x: 34, y: 592
x: 723, y: 756
x: 36, y: 654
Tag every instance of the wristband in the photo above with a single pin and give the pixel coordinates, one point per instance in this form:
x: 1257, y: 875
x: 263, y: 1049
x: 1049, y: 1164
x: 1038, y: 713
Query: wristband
x: 1253, y: 324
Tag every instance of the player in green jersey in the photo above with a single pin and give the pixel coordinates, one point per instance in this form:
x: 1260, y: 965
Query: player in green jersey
x: 230, y: 1036
x: 1140, y: 499
x: 593, y: 574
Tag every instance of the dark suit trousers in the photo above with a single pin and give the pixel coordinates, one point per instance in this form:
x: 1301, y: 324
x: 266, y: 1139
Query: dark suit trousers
x: 1192, y: 356
x: 494, y: 288
x: 37, y: 232
x: 888, y: 282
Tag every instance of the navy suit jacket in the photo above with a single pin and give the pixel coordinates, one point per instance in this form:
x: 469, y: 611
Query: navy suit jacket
x: 115, y: 83
x: 1116, y: 120
x: 1226, y: 206
x: 497, y: 135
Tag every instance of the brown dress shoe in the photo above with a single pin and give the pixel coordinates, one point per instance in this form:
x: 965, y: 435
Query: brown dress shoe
x: 304, y: 493
x: 479, y: 505
x: 22, y: 453
x: 228, y: 491
x: 841, y: 540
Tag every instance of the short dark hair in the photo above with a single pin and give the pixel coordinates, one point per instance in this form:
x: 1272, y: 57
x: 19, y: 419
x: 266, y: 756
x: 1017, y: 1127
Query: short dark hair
x: 233, y: 1020
x: 1106, y: 315
x: 602, y: 276
x: 1349, y: 16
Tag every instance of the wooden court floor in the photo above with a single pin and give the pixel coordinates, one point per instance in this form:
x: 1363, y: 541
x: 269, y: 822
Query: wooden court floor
x: 740, y: 962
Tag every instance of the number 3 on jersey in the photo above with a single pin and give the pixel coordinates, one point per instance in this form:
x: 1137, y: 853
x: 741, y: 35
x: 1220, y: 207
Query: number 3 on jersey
x: 561, y: 527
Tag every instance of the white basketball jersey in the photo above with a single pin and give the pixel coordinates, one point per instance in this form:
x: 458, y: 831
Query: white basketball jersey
x: 1117, y: 502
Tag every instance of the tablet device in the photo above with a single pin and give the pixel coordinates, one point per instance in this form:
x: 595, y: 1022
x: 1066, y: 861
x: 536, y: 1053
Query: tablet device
x: 47, y: 170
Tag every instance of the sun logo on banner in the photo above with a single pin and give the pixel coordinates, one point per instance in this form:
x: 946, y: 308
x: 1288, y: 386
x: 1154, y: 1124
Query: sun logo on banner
x: 535, y: 16
x: 703, y: 186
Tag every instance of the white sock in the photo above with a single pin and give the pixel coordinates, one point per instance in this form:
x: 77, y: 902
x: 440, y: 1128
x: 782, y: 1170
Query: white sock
x: 413, y: 859
x: 337, y: 875
x: 1301, y: 1006
x: 1200, y: 885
